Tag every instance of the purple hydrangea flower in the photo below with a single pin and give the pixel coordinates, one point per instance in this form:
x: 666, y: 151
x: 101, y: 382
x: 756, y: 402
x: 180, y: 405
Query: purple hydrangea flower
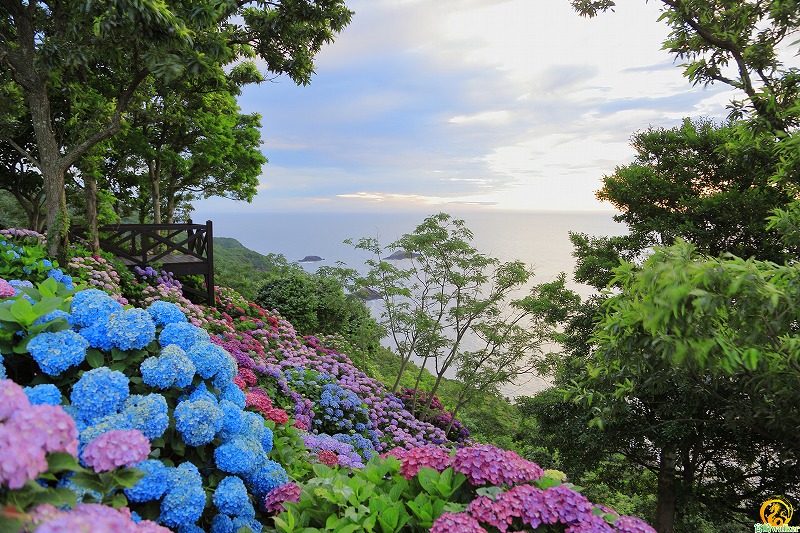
x: 452, y: 522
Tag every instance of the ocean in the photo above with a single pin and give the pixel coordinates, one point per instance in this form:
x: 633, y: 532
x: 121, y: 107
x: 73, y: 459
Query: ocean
x: 541, y: 239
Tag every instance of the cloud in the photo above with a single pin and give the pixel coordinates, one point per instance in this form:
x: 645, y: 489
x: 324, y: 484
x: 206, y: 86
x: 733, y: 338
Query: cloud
x: 505, y: 103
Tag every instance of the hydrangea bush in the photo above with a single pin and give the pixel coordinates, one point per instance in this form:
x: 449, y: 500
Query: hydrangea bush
x: 141, y: 384
x: 214, y: 419
x: 478, y: 489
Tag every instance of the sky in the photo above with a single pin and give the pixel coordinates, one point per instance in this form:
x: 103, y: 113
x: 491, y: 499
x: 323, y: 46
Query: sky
x: 422, y: 105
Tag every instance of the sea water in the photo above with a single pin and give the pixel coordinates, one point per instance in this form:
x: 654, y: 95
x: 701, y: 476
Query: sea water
x: 540, y: 239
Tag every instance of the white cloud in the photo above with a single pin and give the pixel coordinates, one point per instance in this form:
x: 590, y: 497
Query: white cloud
x: 513, y: 103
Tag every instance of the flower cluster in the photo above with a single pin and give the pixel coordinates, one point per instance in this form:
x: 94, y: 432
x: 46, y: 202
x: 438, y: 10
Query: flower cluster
x: 288, y: 492
x: 55, y: 352
x: 99, y: 273
x: 529, y: 506
x: 90, y: 517
x: 121, y: 447
x: 346, y: 454
x: 28, y: 433
x: 411, y: 461
x: 436, y: 414
x: 488, y: 465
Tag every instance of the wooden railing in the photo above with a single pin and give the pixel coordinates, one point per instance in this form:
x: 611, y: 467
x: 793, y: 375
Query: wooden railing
x: 183, y: 249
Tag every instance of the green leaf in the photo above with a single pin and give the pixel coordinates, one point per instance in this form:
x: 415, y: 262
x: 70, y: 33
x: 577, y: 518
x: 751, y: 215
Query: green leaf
x: 88, y: 481
x: 47, y: 305
x: 127, y: 477
x: 94, y: 358
x: 62, y: 461
x: 119, y: 501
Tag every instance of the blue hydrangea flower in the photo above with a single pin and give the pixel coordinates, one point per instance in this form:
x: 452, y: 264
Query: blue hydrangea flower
x: 267, y: 440
x: 131, y: 329
x: 360, y: 443
x: 232, y: 393
x: 185, y: 498
x: 53, y: 315
x: 230, y: 496
x: 57, y: 351
x: 97, y: 336
x: 58, y: 275
x: 45, y: 394
x: 93, y: 306
x: 99, y: 392
x: 266, y: 477
x: 154, y: 483
x: 242, y: 521
x: 198, y: 421
x: 183, y: 334
x: 147, y: 413
x: 208, y: 358
x: 226, y: 371
x: 253, y: 425
x: 163, y: 313
x: 222, y: 523
x: 170, y: 368
x: 232, y: 421
x: 239, y: 455
x: 190, y: 528
x: 201, y: 392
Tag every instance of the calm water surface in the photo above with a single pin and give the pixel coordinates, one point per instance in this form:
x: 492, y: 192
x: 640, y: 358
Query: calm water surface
x: 541, y: 239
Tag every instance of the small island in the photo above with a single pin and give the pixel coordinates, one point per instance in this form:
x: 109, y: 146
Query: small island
x: 311, y: 259
x: 402, y: 254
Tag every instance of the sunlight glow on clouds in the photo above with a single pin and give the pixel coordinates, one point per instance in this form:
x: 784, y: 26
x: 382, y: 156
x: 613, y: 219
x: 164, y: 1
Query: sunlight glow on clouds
x: 512, y: 104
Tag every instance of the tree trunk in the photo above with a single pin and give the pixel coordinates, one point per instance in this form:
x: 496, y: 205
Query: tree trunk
x: 154, y: 171
x: 91, y: 213
x: 666, y: 494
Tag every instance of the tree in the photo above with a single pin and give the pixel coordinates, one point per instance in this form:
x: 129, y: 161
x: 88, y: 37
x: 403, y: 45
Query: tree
x: 57, y: 51
x: 187, y: 140
x: 694, y: 376
x: 699, y: 182
x: 450, y: 293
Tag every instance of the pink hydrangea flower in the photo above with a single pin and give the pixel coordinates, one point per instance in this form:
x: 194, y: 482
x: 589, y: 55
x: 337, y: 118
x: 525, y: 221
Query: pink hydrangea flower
x: 19, y: 461
x: 288, y: 492
x: 47, y: 427
x: 488, y: 465
x: 12, y: 398
x: 456, y: 523
x: 120, y: 447
x: 328, y: 457
x: 90, y: 518
x: 6, y: 290
x: 424, y: 456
